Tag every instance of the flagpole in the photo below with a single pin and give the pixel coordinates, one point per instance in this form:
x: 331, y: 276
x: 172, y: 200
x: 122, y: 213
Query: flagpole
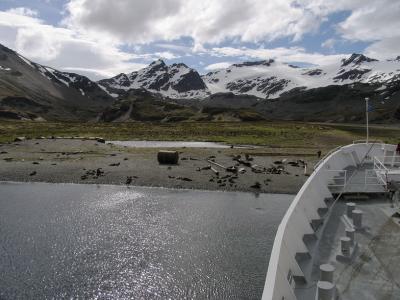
x: 366, y: 112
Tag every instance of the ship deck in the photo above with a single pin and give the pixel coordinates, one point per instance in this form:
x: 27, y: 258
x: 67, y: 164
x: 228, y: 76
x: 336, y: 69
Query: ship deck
x: 373, y: 272
x: 362, y: 178
x: 316, y: 230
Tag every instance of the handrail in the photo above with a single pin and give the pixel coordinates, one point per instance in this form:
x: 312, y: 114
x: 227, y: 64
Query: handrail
x: 395, y: 160
x: 326, y: 155
x: 338, y: 147
x: 377, y: 162
x: 369, y: 142
x: 282, y: 257
x: 379, y: 166
x: 376, y: 176
x: 279, y: 245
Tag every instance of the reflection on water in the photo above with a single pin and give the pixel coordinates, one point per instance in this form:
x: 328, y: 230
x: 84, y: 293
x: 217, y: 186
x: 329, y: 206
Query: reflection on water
x: 86, y: 241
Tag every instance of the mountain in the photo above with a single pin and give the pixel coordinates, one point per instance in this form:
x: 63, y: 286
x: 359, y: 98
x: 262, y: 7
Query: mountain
x: 270, y: 79
x: 335, y: 103
x: 141, y: 105
x: 244, y: 91
x: 174, y: 81
x: 267, y: 79
x: 331, y: 93
x: 29, y: 90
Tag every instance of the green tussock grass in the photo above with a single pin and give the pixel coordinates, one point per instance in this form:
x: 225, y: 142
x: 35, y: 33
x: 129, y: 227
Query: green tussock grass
x: 274, y: 134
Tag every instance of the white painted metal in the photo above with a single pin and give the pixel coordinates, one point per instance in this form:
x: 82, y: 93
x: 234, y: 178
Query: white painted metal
x: 387, y: 168
x: 325, y: 290
x: 366, y: 116
x: 326, y: 272
x: 304, y: 208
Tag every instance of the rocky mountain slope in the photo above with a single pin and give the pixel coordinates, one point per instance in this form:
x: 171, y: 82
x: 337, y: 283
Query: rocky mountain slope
x: 174, y: 81
x: 141, y: 105
x: 270, y: 79
x: 176, y: 92
x: 33, y: 91
x: 335, y: 103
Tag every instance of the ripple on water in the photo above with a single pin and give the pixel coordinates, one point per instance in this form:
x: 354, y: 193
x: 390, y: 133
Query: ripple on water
x: 63, y: 241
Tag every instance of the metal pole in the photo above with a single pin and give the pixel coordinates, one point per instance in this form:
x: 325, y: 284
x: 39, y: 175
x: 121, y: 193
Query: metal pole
x: 366, y: 114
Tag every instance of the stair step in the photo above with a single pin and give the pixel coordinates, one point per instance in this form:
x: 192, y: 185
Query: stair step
x: 310, y: 240
x: 302, y: 256
x: 338, y: 180
x: 329, y: 201
x: 335, y: 189
x: 322, y: 211
x: 300, y: 282
x: 304, y: 260
x: 316, y: 224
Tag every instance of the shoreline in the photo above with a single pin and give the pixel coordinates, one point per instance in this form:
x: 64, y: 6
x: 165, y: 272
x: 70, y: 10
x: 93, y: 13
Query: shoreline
x: 78, y: 161
x: 142, y: 186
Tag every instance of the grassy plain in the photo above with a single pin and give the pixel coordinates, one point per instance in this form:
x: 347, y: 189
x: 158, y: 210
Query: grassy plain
x: 273, y: 134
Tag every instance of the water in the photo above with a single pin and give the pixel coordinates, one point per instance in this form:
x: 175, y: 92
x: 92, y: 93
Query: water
x: 169, y: 144
x: 88, y: 241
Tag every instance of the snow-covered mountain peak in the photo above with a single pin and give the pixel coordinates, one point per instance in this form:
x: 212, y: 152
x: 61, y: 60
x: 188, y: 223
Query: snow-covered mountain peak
x: 267, y: 79
x: 158, y: 62
x: 255, y: 63
x: 157, y: 65
x: 395, y: 59
x: 174, y: 81
x: 270, y: 79
x: 356, y: 59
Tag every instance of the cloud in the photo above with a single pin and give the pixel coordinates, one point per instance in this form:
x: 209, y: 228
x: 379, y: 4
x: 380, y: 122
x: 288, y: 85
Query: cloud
x: 94, y: 34
x: 217, y: 66
x: 292, y: 54
x: 23, y: 11
x: 65, y: 49
x: 374, y: 20
x: 173, y: 47
x: 207, y: 21
x: 386, y: 48
x: 211, y: 22
x: 166, y: 55
x: 329, y: 43
x: 377, y: 22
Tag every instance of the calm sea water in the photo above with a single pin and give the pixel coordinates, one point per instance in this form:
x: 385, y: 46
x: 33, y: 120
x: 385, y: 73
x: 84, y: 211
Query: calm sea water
x: 112, y: 242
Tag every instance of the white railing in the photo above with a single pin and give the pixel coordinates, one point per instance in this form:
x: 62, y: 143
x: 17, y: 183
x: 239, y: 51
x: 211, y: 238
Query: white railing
x: 304, y: 208
x: 369, y: 142
x: 380, y: 170
x: 383, y: 165
x: 388, y: 161
x: 326, y: 155
x: 373, y: 178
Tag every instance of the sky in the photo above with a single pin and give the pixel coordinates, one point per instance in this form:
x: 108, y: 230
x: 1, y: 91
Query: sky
x: 102, y: 38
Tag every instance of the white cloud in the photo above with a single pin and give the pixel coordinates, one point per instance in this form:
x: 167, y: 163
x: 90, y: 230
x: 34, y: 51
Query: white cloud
x: 93, y: 32
x: 375, y: 21
x: 173, y: 47
x: 23, y: 11
x: 329, y: 43
x: 217, y: 66
x: 293, y: 54
x: 207, y: 21
x: 386, y: 48
x: 166, y: 55
x: 65, y: 49
x: 211, y: 22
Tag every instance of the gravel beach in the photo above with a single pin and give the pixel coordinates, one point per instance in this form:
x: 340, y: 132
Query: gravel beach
x: 265, y: 169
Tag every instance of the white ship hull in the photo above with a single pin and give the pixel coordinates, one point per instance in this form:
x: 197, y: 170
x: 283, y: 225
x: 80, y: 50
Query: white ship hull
x: 343, y: 170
